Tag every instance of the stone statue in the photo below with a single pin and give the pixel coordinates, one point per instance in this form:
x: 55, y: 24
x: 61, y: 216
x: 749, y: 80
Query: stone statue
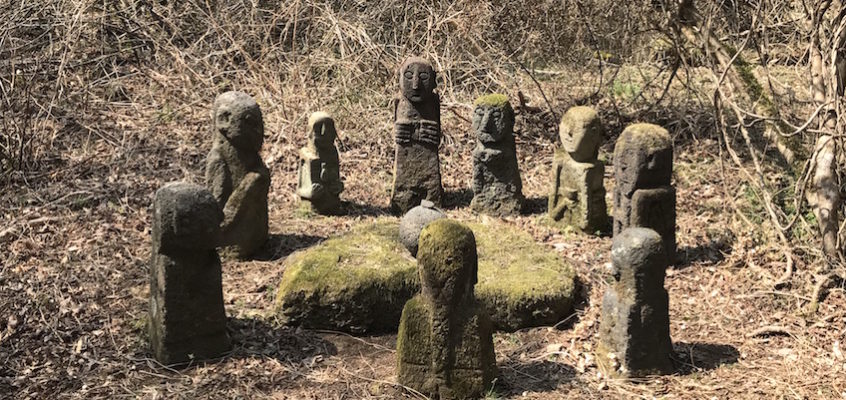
x: 236, y: 174
x: 413, y: 222
x: 444, y: 345
x: 187, y: 320
x: 497, y: 188
x: 577, y: 198
x: 643, y: 195
x: 634, y: 330
x: 417, y: 130
x: 320, y: 180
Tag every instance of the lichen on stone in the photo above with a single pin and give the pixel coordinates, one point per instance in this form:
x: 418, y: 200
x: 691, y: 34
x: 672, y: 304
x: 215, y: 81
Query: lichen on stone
x: 492, y: 100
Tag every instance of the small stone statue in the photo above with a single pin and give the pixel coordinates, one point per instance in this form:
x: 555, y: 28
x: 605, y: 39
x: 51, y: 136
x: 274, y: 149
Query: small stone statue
x: 236, y: 174
x: 187, y: 320
x: 578, y: 196
x: 414, y: 221
x: 445, y: 345
x: 417, y: 129
x: 497, y: 188
x: 643, y: 195
x: 320, y: 180
x: 634, y: 330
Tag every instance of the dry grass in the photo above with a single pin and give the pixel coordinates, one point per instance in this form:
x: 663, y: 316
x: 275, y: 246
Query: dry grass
x: 112, y: 100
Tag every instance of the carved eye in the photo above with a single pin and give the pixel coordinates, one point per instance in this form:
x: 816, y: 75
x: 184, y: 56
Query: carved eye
x: 480, y: 111
x: 223, y: 116
x: 424, y: 75
x: 496, y: 114
x: 408, y: 74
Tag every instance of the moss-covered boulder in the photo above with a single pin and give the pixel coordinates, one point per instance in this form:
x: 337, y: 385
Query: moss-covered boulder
x: 359, y: 282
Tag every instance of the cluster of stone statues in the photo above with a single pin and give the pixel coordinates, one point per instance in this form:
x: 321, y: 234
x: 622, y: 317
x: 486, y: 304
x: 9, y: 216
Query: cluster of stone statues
x: 445, y: 346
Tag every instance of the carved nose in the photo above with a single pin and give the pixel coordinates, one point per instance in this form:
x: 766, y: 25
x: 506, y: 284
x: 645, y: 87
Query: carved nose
x: 486, y: 121
x: 415, y: 82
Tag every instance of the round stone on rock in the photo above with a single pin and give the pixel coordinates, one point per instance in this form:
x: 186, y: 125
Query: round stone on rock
x: 414, y: 221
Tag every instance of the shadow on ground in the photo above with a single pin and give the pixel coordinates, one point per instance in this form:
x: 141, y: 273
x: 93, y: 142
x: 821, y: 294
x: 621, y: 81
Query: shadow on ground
x: 281, y: 245
x: 258, y: 338
x: 533, y: 376
x: 535, y: 205
x: 705, y: 254
x: 353, y: 209
x: 696, y: 356
x: 457, y: 198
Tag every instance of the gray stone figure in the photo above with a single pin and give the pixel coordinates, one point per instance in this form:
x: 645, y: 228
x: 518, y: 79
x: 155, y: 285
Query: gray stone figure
x: 643, y: 194
x: 187, y: 319
x: 413, y: 222
x: 577, y: 198
x: 497, y: 188
x: 320, y: 183
x: 417, y: 130
x: 634, y: 330
x: 445, y: 343
x: 236, y: 175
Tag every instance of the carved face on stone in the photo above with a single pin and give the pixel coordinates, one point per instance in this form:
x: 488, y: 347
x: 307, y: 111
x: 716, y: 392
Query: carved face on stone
x: 238, y: 118
x: 493, y: 123
x: 447, y: 261
x: 186, y: 217
x: 417, y: 80
x: 322, y: 130
x: 646, y: 152
x: 581, y: 133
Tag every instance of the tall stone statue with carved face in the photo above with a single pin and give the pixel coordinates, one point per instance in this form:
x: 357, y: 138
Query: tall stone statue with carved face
x: 417, y: 131
x: 497, y: 187
x: 320, y: 180
x: 236, y: 174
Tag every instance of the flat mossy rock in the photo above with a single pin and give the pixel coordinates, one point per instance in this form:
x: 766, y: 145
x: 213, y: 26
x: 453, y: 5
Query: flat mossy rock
x: 360, y: 281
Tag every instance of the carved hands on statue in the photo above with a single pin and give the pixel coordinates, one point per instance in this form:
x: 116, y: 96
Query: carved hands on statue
x: 317, y: 190
x: 403, y: 132
x: 566, y: 200
x: 429, y: 133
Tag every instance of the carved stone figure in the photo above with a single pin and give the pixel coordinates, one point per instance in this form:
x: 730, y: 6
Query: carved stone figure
x: 497, y: 188
x: 320, y: 180
x: 634, y: 330
x: 417, y: 130
x: 643, y: 195
x: 577, y: 198
x: 187, y: 320
x: 236, y: 175
x: 445, y: 345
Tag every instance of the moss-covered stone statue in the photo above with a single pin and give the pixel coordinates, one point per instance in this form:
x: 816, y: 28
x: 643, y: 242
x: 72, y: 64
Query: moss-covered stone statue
x: 643, y: 194
x: 444, y: 345
x: 417, y: 130
x: 320, y: 183
x: 577, y: 198
x: 634, y: 330
x: 187, y: 320
x: 236, y: 174
x: 497, y: 188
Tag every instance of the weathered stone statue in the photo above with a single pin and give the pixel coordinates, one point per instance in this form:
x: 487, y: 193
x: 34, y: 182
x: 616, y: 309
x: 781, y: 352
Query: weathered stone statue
x: 634, y: 330
x: 445, y: 346
x: 413, y: 222
x: 187, y: 320
x: 320, y: 180
x: 417, y: 130
x: 578, y: 196
x: 497, y: 188
x: 236, y: 174
x: 643, y: 195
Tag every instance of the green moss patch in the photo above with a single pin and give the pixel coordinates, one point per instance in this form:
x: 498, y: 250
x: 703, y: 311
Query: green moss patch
x: 492, y: 100
x: 359, y: 282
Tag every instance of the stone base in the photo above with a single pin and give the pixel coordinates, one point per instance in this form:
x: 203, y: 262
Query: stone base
x: 473, y: 368
x: 578, y: 195
x: 187, y: 319
x: 359, y: 282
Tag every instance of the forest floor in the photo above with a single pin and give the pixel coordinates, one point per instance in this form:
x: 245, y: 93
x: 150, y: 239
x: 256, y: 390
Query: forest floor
x: 75, y: 246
